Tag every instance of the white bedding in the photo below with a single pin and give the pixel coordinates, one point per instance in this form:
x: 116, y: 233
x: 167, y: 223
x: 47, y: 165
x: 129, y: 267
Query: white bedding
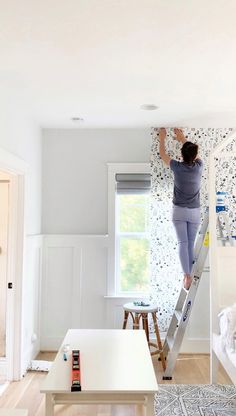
x: 226, y: 357
x: 224, y: 343
x: 227, y: 323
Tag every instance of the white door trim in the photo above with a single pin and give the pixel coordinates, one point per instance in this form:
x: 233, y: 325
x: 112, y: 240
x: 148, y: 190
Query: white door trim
x: 18, y: 168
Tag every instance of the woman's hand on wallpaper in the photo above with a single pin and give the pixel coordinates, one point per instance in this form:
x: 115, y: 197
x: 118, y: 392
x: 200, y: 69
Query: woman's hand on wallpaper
x: 179, y: 135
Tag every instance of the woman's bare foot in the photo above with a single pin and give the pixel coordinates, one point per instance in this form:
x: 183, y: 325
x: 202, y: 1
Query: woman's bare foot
x: 187, y: 281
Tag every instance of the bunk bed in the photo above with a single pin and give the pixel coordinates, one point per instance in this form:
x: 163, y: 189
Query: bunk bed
x: 222, y: 277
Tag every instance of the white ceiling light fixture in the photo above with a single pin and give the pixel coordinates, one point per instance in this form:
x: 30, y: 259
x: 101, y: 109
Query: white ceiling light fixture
x: 149, y: 107
x: 77, y: 119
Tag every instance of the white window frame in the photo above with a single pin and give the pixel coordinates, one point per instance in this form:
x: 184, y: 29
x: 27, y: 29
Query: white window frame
x: 113, y: 169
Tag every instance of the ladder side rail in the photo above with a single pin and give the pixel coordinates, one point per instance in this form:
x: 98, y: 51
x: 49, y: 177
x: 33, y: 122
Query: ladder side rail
x: 181, y: 300
x: 225, y: 224
x: 198, y: 270
x: 201, y: 236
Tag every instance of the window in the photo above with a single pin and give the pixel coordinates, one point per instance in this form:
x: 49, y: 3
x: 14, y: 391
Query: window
x: 132, y: 233
x: 128, y: 230
x: 132, y: 243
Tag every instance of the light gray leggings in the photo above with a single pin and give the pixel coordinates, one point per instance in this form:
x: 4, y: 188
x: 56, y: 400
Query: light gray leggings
x: 186, y: 222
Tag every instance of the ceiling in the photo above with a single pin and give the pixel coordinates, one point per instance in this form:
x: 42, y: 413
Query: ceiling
x: 102, y: 59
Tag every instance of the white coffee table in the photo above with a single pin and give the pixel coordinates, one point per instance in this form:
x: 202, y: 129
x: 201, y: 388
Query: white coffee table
x: 116, y: 368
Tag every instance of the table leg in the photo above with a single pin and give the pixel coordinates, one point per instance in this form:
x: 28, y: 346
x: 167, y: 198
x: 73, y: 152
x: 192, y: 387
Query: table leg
x: 136, y: 321
x: 150, y: 405
x: 49, y: 404
x: 139, y: 410
x: 126, y: 315
x: 159, y: 343
x: 145, y: 324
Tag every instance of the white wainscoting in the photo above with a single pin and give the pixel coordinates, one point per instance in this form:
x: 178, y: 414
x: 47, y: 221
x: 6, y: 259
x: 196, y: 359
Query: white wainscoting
x: 73, y: 287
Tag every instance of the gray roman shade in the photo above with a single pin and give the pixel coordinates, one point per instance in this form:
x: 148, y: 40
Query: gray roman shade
x: 133, y: 183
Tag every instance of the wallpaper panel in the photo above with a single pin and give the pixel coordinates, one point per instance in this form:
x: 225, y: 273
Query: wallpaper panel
x: 166, y: 273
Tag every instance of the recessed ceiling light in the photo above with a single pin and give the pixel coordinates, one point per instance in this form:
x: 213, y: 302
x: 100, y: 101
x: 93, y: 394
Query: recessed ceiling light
x: 148, y: 107
x: 77, y: 119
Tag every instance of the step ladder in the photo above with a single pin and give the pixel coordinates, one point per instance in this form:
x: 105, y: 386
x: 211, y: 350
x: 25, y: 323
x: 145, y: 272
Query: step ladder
x: 184, y: 305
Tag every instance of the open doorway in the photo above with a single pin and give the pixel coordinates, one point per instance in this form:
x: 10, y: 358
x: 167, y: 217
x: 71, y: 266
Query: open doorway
x: 13, y: 174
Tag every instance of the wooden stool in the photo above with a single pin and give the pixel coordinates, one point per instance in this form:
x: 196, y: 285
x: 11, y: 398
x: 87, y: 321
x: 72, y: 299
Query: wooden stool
x: 141, y: 313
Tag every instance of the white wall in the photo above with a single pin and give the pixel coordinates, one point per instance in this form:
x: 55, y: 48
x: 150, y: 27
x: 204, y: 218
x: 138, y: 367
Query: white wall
x: 20, y: 136
x: 75, y: 175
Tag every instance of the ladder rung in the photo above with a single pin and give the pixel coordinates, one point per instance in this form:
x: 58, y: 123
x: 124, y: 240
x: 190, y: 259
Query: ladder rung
x: 170, y: 342
x: 178, y: 315
x: 182, y: 298
x: 183, y: 293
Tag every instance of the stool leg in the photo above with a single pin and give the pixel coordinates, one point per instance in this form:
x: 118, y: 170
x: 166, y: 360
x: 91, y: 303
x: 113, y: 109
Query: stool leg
x: 159, y: 343
x: 145, y: 324
x: 136, y: 321
x: 126, y: 315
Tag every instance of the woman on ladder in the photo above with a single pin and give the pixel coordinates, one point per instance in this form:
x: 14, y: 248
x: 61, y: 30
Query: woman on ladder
x: 186, y: 198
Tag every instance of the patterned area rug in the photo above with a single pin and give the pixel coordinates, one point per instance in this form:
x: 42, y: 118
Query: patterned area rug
x: 195, y: 400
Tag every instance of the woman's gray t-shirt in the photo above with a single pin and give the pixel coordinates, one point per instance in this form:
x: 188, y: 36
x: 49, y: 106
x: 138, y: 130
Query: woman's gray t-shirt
x: 187, y: 182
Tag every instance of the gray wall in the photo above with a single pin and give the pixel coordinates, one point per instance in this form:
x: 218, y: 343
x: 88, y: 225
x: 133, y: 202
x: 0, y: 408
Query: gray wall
x: 75, y: 175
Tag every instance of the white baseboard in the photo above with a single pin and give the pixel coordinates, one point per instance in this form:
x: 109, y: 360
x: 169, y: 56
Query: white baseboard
x: 189, y: 346
x: 29, y: 355
x: 50, y: 343
x: 192, y: 345
x: 196, y: 346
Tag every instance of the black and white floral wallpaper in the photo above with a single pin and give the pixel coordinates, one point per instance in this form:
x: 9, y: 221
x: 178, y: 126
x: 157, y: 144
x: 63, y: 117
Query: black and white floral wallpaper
x: 166, y: 275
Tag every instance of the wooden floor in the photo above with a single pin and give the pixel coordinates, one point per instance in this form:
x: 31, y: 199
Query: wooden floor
x: 190, y: 369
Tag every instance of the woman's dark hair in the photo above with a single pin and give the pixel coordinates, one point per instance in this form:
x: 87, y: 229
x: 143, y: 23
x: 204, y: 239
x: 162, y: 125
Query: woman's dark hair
x: 189, y: 152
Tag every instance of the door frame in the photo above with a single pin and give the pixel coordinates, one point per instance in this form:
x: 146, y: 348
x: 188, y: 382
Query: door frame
x: 18, y: 169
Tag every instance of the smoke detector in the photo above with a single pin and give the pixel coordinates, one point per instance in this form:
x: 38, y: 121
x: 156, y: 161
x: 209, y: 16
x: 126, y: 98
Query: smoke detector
x: 149, y: 107
x: 77, y: 119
